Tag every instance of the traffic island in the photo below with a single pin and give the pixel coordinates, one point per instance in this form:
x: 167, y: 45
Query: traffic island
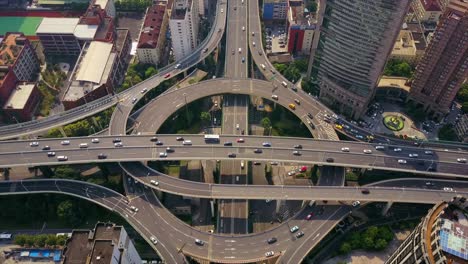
x: 393, y: 122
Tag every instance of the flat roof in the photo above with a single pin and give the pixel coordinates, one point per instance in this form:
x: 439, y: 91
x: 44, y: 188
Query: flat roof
x: 102, y: 3
x: 86, y: 32
x: 60, y: 2
x: 94, y: 62
x: 102, y: 252
x: 27, y: 25
x: 77, y: 247
x: 19, y: 96
x: 57, y: 25
x: 152, y: 26
x: 454, y: 238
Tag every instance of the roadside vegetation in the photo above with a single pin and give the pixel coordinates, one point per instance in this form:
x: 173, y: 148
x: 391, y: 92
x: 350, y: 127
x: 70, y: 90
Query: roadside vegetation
x: 136, y: 73
x: 373, y: 239
x: 400, y: 68
x: 40, y: 241
x: 132, y: 5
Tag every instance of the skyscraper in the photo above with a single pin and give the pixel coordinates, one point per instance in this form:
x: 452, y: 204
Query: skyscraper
x: 184, y: 27
x: 357, y: 37
x: 444, y: 67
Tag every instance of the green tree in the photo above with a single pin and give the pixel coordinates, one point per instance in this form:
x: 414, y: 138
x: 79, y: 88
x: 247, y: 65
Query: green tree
x: 61, y: 240
x: 280, y: 67
x: 345, y: 248
x: 464, y: 107
x: 20, y: 239
x: 462, y: 94
x: 66, y: 172
x: 312, y: 7
x: 40, y: 240
x: 380, y: 244
x: 301, y: 65
x: 266, y: 123
x: 447, y: 133
x: 205, y: 117
x: 67, y: 212
x: 51, y: 240
x: 355, y: 240
x: 385, y: 233
x: 367, y: 242
x: 150, y: 72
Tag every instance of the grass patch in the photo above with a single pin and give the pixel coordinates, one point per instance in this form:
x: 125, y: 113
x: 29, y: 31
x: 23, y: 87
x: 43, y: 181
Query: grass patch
x: 393, y: 122
x: 173, y: 170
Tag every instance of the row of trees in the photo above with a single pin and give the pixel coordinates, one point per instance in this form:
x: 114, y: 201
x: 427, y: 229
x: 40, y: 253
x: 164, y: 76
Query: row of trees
x: 136, y: 73
x: 373, y: 238
x: 132, y: 5
x: 292, y: 71
x: 41, y: 240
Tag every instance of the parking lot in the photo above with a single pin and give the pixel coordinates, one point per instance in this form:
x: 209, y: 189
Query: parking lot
x: 276, y: 40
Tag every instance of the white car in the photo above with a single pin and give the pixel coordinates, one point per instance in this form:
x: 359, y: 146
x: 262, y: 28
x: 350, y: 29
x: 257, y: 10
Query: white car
x: 155, y: 183
x: 134, y: 100
x: 397, y: 149
x: 163, y: 154
x: 413, y: 155
x: 448, y: 189
x: 187, y: 142
x: 367, y: 151
x: 269, y: 254
x: 95, y: 140
x: 294, y: 229
x: 461, y: 160
x: 345, y: 149
x: 34, y: 144
x: 237, y: 126
x: 62, y: 158
x: 243, y: 28
x: 118, y: 145
x: 356, y: 203
x: 134, y: 208
x: 144, y: 89
x: 274, y: 96
x: 379, y: 147
x: 253, y: 43
x: 65, y: 142
x: 402, y: 161
x: 428, y: 152
x: 153, y: 239
x: 291, y: 173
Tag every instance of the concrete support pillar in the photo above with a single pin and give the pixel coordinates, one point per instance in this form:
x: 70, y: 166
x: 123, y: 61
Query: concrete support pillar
x: 185, y: 74
x: 363, y: 170
x: 96, y: 123
x: 386, y: 208
x: 62, y: 131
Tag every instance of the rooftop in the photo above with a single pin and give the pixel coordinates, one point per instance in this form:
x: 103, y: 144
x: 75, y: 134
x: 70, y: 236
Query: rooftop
x: 405, y: 44
x: 102, y: 3
x: 180, y: 8
x: 92, y: 70
x: 19, y: 96
x: 152, y: 26
x: 85, y: 32
x: 431, y: 5
x: 454, y: 235
x: 10, y: 48
x: 102, y: 252
x: 77, y: 247
x: 57, y: 25
x: 60, y: 2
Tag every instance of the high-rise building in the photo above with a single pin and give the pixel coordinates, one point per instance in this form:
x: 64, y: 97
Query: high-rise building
x: 356, y: 39
x: 440, y: 238
x: 275, y: 9
x: 444, y: 67
x: 152, y: 39
x: 184, y: 24
x: 301, y: 27
x: 105, y: 244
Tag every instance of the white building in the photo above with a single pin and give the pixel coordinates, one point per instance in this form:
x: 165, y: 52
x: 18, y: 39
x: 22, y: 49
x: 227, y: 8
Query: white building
x: 107, y: 5
x: 184, y: 24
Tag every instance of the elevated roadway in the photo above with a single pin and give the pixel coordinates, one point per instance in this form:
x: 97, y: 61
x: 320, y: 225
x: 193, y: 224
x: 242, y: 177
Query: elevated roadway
x: 138, y: 148
x: 218, y: 248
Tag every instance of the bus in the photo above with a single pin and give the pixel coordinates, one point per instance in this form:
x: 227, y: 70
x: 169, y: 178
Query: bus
x: 212, y: 138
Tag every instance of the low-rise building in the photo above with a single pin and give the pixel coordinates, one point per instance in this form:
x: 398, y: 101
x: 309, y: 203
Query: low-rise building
x: 106, y: 244
x: 23, y: 102
x: 405, y: 47
x: 275, y: 9
x: 301, y: 27
x: 427, y: 10
x: 152, y: 39
x: 18, y: 62
x: 94, y: 75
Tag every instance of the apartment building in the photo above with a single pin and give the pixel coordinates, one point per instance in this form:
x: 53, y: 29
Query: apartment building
x: 184, y: 23
x: 152, y: 39
x: 426, y: 10
x: 301, y: 27
x: 461, y: 128
x: 22, y: 103
x: 444, y: 67
x: 18, y: 62
x: 107, y: 243
x: 357, y: 39
x: 107, y: 5
x: 275, y: 9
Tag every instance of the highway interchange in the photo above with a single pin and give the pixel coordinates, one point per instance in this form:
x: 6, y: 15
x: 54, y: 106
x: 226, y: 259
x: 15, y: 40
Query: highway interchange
x: 219, y: 248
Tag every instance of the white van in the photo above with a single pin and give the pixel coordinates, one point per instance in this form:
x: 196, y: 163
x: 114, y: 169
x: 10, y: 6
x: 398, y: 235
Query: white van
x: 240, y: 50
x: 187, y: 142
x: 62, y: 158
x: 284, y: 84
x: 242, y: 165
x: 83, y: 145
x: 263, y: 66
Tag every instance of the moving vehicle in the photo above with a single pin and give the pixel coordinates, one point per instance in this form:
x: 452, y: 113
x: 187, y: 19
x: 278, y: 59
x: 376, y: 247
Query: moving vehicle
x: 115, y: 140
x: 272, y: 240
x: 50, y: 154
x: 294, y: 229
x: 232, y: 155
x: 330, y: 160
x: 258, y: 151
x: 300, y: 234
x: 284, y: 84
x: 356, y: 203
x: 240, y: 50
x: 274, y: 96
x: 95, y: 140
x: 461, y: 160
x: 155, y: 183
x: 179, y: 138
x: 199, y: 242
x: 309, y: 216
x: 367, y: 151
x: 292, y: 106
x: 65, y: 142
x: 167, y: 75
x: 62, y: 158
x: 212, y: 138
x: 297, y: 153
x: 118, y: 145
x: 177, y: 66
x: 402, y: 161
x: 397, y: 149
x: 144, y: 90
x: 345, y: 149
x: 83, y: 145
x: 240, y: 140
x: 269, y: 254
x: 153, y: 139
x: 298, y: 146
x: 153, y: 239
x: 365, y: 191
x: 297, y: 101
x: 159, y: 143
x: 169, y: 150
x: 187, y: 142
x: 46, y: 148
x: 243, y: 28
x: 228, y: 143
x: 379, y: 147
x: 266, y: 144
x: 134, y: 100
x: 102, y: 156
x: 262, y: 65
x: 413, y: 155
x: 163, y: 154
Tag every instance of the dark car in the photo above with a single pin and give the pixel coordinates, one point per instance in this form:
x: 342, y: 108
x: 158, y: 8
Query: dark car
x: 179, y: 138
x: 169, y: 150
x: 116, y: 140
x: 298, y: 146
x: 272, y: 240
x: 154, y: 139
x: 102, y: 156
x: 310, y: 116
x: 432, y: 169
x: 300, y: 234
x: 228, y: 143
x: 46, y: 148
x: 258, y: 151
x: 257, y: 163
x: 330, y: 160
x: 232, y: 155
x: 365, y: 191
x: 159, y: 143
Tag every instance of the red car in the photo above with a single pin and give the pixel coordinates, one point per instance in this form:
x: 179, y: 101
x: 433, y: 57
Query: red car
x: 240, y: 140
x: 167, y: 75
x: 303, y: 168
x: 309, y: 216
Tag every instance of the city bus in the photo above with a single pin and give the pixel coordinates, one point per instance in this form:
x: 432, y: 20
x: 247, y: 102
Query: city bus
x: 211, y: 138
